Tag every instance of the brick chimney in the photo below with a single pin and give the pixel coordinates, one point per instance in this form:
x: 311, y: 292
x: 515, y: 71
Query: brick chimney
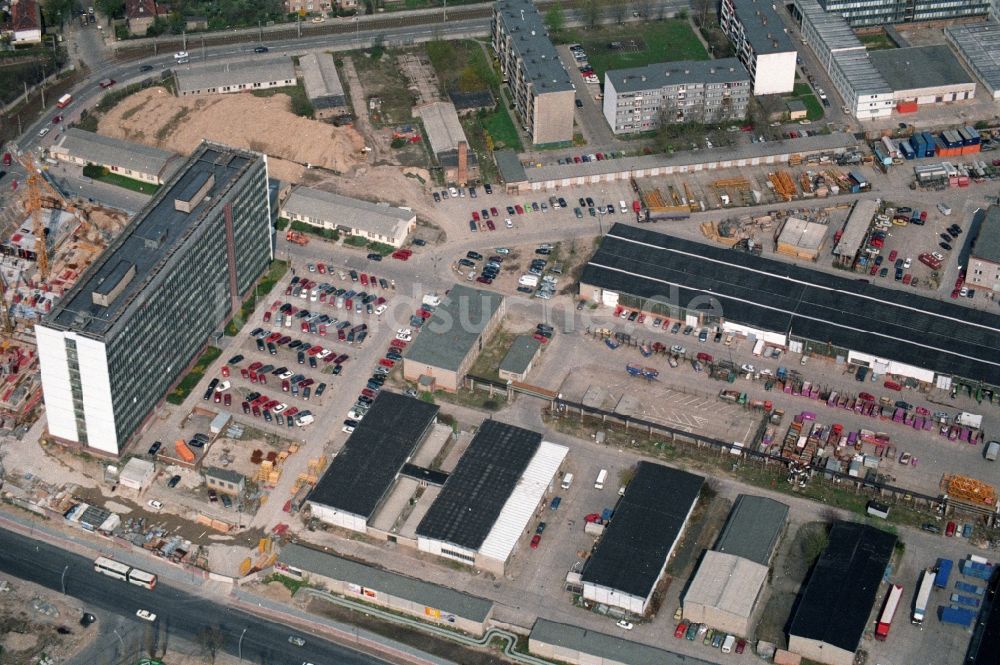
x: 463, y: 162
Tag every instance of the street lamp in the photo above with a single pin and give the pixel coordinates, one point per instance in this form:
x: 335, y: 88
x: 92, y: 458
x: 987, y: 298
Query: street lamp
x: 115, y: 631
x: 240, y: 645
x: 63, y: 579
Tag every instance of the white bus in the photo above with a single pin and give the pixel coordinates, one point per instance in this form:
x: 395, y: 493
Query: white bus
x: 124, y: 572
x: 601, y: 477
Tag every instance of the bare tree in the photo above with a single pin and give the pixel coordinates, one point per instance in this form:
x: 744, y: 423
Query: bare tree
x: 592, y: 13
x: 211, y: 640
x: 618, y: 10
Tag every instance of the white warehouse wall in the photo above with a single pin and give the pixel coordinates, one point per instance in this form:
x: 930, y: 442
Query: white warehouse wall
x: 338, y: 518
x: 610, y: 102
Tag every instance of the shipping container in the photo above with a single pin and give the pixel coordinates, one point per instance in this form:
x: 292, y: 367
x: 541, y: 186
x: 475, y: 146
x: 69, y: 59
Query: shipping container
x: 919, y: 145
x: 955, y: 615
x: 860, y: 180
x: 906, y: 150
x: 880, y: 156
x: 943, y: 573
x: 890, y: 147
x: 929, y: 144
x: 906, y: 107
x: 183, y: 451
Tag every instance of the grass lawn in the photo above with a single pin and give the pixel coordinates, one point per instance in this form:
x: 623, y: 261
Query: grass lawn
x: 804, y: 93
x: 501, y: 128
x: 188, y: 383
x: 877, y: 41
x: 129, y: 183
x: 665, y: 41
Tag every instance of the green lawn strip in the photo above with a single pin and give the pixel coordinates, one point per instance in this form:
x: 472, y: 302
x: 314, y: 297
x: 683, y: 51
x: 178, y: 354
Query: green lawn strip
x: 187, y: 384
x: 267, y: 282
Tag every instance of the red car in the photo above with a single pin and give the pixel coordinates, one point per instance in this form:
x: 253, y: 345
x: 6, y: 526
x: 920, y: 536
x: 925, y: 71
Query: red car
x: 246, y: 407
x: 228, y: 399
x: 537, y: 538
x: 874, y: 270
x: 255, y: 366
x: 341, y: 359
x: 285, y: 386
x: 681, y: 630
x: 950, y: 529
x: 401, y: 255
x: 273, y: 337
x: 892, y: 256
x: 423, y: 314
x: 291, y: 412
x: 490, y: 225
x: 741, y: 645
x: 368, y: 392
x: 321, y: 267
x: 519, y: 209
x: 493, y: 211
x: 267, y: 316
x: 364, y: 279
x: 867, y: 397
x: 217, y: 398
x: 314, y: 350
x: 385, y: 362
x: 397, y: 344
x: 107, y: 83
x: 475, y: 215
x: 484, y: 280
x: 305, y: 383
x: 592, y: 517
x: 541, y: 338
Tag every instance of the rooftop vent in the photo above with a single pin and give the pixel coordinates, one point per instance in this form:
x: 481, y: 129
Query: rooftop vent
x: 113, y: 284
x: 191, y: 195
x: 157, y: 242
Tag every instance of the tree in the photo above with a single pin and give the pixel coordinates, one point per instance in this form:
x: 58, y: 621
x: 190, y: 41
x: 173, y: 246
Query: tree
x: 618, y: 10
x: 591, y: 13
x: 469, y: 80
x: 211, y: 640
x: 555, y: 19
x: 57, y: 11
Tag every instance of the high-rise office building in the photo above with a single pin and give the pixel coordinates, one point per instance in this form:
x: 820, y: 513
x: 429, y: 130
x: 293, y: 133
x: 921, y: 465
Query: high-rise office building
x: 140, y: 315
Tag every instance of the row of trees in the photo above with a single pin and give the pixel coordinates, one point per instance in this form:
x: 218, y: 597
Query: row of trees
x: 594, y: 11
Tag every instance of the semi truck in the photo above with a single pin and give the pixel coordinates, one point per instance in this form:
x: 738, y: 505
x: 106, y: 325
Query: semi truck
x: 923, y: 597
x: 888, y: 612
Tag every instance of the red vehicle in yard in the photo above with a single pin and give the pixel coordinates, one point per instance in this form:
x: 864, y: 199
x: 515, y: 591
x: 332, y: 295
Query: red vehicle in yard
x: 364, y: 279
x: 385, y: 362
x: 892, y: 385
x: 267, y: 316
x: 368, y: 392
x: 225, y: 371
x: 397, y: 344
x: 892, y: 256
x: 285, y: 385
x: 245, y: 373
x: 255, y: 366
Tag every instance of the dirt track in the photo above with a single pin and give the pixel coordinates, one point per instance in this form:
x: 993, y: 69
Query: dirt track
x: 266, y: 124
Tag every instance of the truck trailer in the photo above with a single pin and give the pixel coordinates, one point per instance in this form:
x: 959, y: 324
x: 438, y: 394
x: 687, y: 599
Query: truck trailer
x: 923, y: 597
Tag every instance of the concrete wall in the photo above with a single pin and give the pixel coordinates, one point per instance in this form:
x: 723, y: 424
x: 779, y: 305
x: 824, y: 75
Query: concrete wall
x: 553, y: 117
x: 339, y: 518
x: 775, y: 73
x: 446, y: 380
x: 565, y: 655
x: 983, y: 274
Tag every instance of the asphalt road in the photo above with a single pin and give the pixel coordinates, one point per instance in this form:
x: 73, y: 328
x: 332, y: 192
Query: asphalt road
x: 179, y: 613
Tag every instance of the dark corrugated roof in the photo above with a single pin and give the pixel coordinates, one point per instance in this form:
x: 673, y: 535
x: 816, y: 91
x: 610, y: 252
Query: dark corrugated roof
x: 985, y: 646
x: 857, y: 554
x: 986, y: 245
x: 647, y: 522
x: 782, y: 297
x: 755, y: 523
x: 475, y: 493
x: 364, y: 470
x: 606, y: 648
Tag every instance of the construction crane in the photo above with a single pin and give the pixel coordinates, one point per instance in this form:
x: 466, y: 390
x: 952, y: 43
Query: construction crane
x: 35, y: 184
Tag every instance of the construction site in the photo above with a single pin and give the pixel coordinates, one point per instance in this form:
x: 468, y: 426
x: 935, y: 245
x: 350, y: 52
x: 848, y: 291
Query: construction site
x: 46, y: 243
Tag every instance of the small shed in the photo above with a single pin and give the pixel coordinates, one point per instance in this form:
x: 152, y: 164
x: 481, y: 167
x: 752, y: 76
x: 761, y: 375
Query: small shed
x: 137, y: 474
x: 522, y: 354
x: 225, y: 481
x: 796, y: 109
x: 219, y: 422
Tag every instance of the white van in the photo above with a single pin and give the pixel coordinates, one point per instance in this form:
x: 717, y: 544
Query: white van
x: 727, y: 644
x: 567, y: 481
x: 528, y: 280
x: 944, y: 208
x: 623, y: 207
x: 601, y: 477
x: 758, y: 348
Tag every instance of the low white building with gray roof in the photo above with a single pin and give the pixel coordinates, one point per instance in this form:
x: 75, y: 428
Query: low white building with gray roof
x: 377, y: 222
x: 978, y: 46
x: 566, y: 643
x: 641, y: 99
x: 322, y: 83
x: 520, y: 358
x: 861, y: 86
x: 447, y: 138
x: 132, y: 160
x: 452, y: 338
x: 399, y: 593
x: 243, y: 76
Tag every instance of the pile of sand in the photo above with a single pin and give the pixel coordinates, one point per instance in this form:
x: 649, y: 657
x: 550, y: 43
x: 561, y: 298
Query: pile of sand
x: 265, y: 124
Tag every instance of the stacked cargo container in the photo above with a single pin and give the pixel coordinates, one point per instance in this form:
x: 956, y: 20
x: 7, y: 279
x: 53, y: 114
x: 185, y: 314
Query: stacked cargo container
x: 919, y: 145
x: 929, y: 144
x: 906, y: 150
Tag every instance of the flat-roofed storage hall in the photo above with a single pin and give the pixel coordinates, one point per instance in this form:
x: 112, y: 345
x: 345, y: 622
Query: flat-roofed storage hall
x: 633, y: 552
x: 891, y: 331
x: 487, y: 502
